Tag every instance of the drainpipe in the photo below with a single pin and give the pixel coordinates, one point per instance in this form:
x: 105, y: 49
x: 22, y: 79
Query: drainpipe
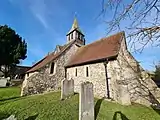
x: 107, y: 83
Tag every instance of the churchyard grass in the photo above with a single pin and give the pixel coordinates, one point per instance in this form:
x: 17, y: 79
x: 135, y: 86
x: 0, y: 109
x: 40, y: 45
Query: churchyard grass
x: 50, y: 107
x: 9, y: 93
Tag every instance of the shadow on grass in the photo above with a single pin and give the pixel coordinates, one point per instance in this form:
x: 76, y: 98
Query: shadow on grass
x: 156, y: 110
x: 11, y: 98
x: 32, y: 117
x: 155, y: 103
x: 118, y: 115
x: 3, y: 115
x: 97, y: 107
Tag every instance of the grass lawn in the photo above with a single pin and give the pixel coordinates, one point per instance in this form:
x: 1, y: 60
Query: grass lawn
x: 49, y: 107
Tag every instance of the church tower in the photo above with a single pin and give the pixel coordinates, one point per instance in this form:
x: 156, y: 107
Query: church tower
x: 75, y: 33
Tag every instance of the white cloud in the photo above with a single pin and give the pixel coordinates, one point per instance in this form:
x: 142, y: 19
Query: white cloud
x: 40, y: 10
x: 42, y: 20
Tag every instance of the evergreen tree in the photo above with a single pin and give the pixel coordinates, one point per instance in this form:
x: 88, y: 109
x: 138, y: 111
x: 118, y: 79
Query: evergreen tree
x: 13, y: 49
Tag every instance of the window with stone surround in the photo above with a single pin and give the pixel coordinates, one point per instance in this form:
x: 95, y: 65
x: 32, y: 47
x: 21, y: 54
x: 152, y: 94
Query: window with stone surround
x: 52, y: 68
x: 76, y: 72
x: 87, y: 74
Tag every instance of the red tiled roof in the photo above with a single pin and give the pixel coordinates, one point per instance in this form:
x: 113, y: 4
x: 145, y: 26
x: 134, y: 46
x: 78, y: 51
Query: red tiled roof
x: 101, y: 49
x: 49, y: 58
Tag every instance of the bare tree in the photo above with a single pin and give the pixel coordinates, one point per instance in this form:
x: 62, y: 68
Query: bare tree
x: 139, y: 18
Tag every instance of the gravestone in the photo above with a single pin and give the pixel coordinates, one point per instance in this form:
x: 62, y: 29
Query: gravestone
x: 86, y: 102
x: 67, y: 88
x: 3, y: 82
x: 124, y: 95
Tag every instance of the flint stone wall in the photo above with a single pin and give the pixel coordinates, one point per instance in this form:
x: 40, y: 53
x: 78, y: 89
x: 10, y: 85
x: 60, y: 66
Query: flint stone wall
x: 124, y: 71
x: 42, y: 81
x: 67, y: 88
x: 140, y: 86
x: 96, y: 75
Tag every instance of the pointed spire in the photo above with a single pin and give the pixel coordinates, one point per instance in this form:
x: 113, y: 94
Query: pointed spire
x: 75, y: 24
x: 75, y: 32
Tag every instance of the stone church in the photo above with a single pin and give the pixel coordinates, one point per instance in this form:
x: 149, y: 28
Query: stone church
x: 106, y: 63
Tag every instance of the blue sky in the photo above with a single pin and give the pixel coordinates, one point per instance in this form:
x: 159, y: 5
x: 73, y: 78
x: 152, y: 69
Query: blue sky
x: 44, y: 24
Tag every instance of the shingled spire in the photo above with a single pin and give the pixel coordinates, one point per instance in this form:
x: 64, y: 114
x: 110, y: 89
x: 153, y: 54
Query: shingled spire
x: 75, y: 33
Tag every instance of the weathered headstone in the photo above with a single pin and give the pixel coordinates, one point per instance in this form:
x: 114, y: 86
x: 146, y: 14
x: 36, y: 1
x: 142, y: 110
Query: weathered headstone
x: 67, y: 88
x: 3, y: 82
x: 86, y: 102
x: 124, y: 95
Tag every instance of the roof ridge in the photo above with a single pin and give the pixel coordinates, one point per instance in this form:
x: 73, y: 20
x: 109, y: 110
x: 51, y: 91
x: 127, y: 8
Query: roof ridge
x: 54, y: 56
x: 99, y: 40
x: 47, y: 55
x: 106, y: 47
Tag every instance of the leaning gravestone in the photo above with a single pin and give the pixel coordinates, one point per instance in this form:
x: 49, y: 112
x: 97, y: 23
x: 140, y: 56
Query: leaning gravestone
x: 3, y: 82
x: 67, y: 88
x: 86, y: 102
